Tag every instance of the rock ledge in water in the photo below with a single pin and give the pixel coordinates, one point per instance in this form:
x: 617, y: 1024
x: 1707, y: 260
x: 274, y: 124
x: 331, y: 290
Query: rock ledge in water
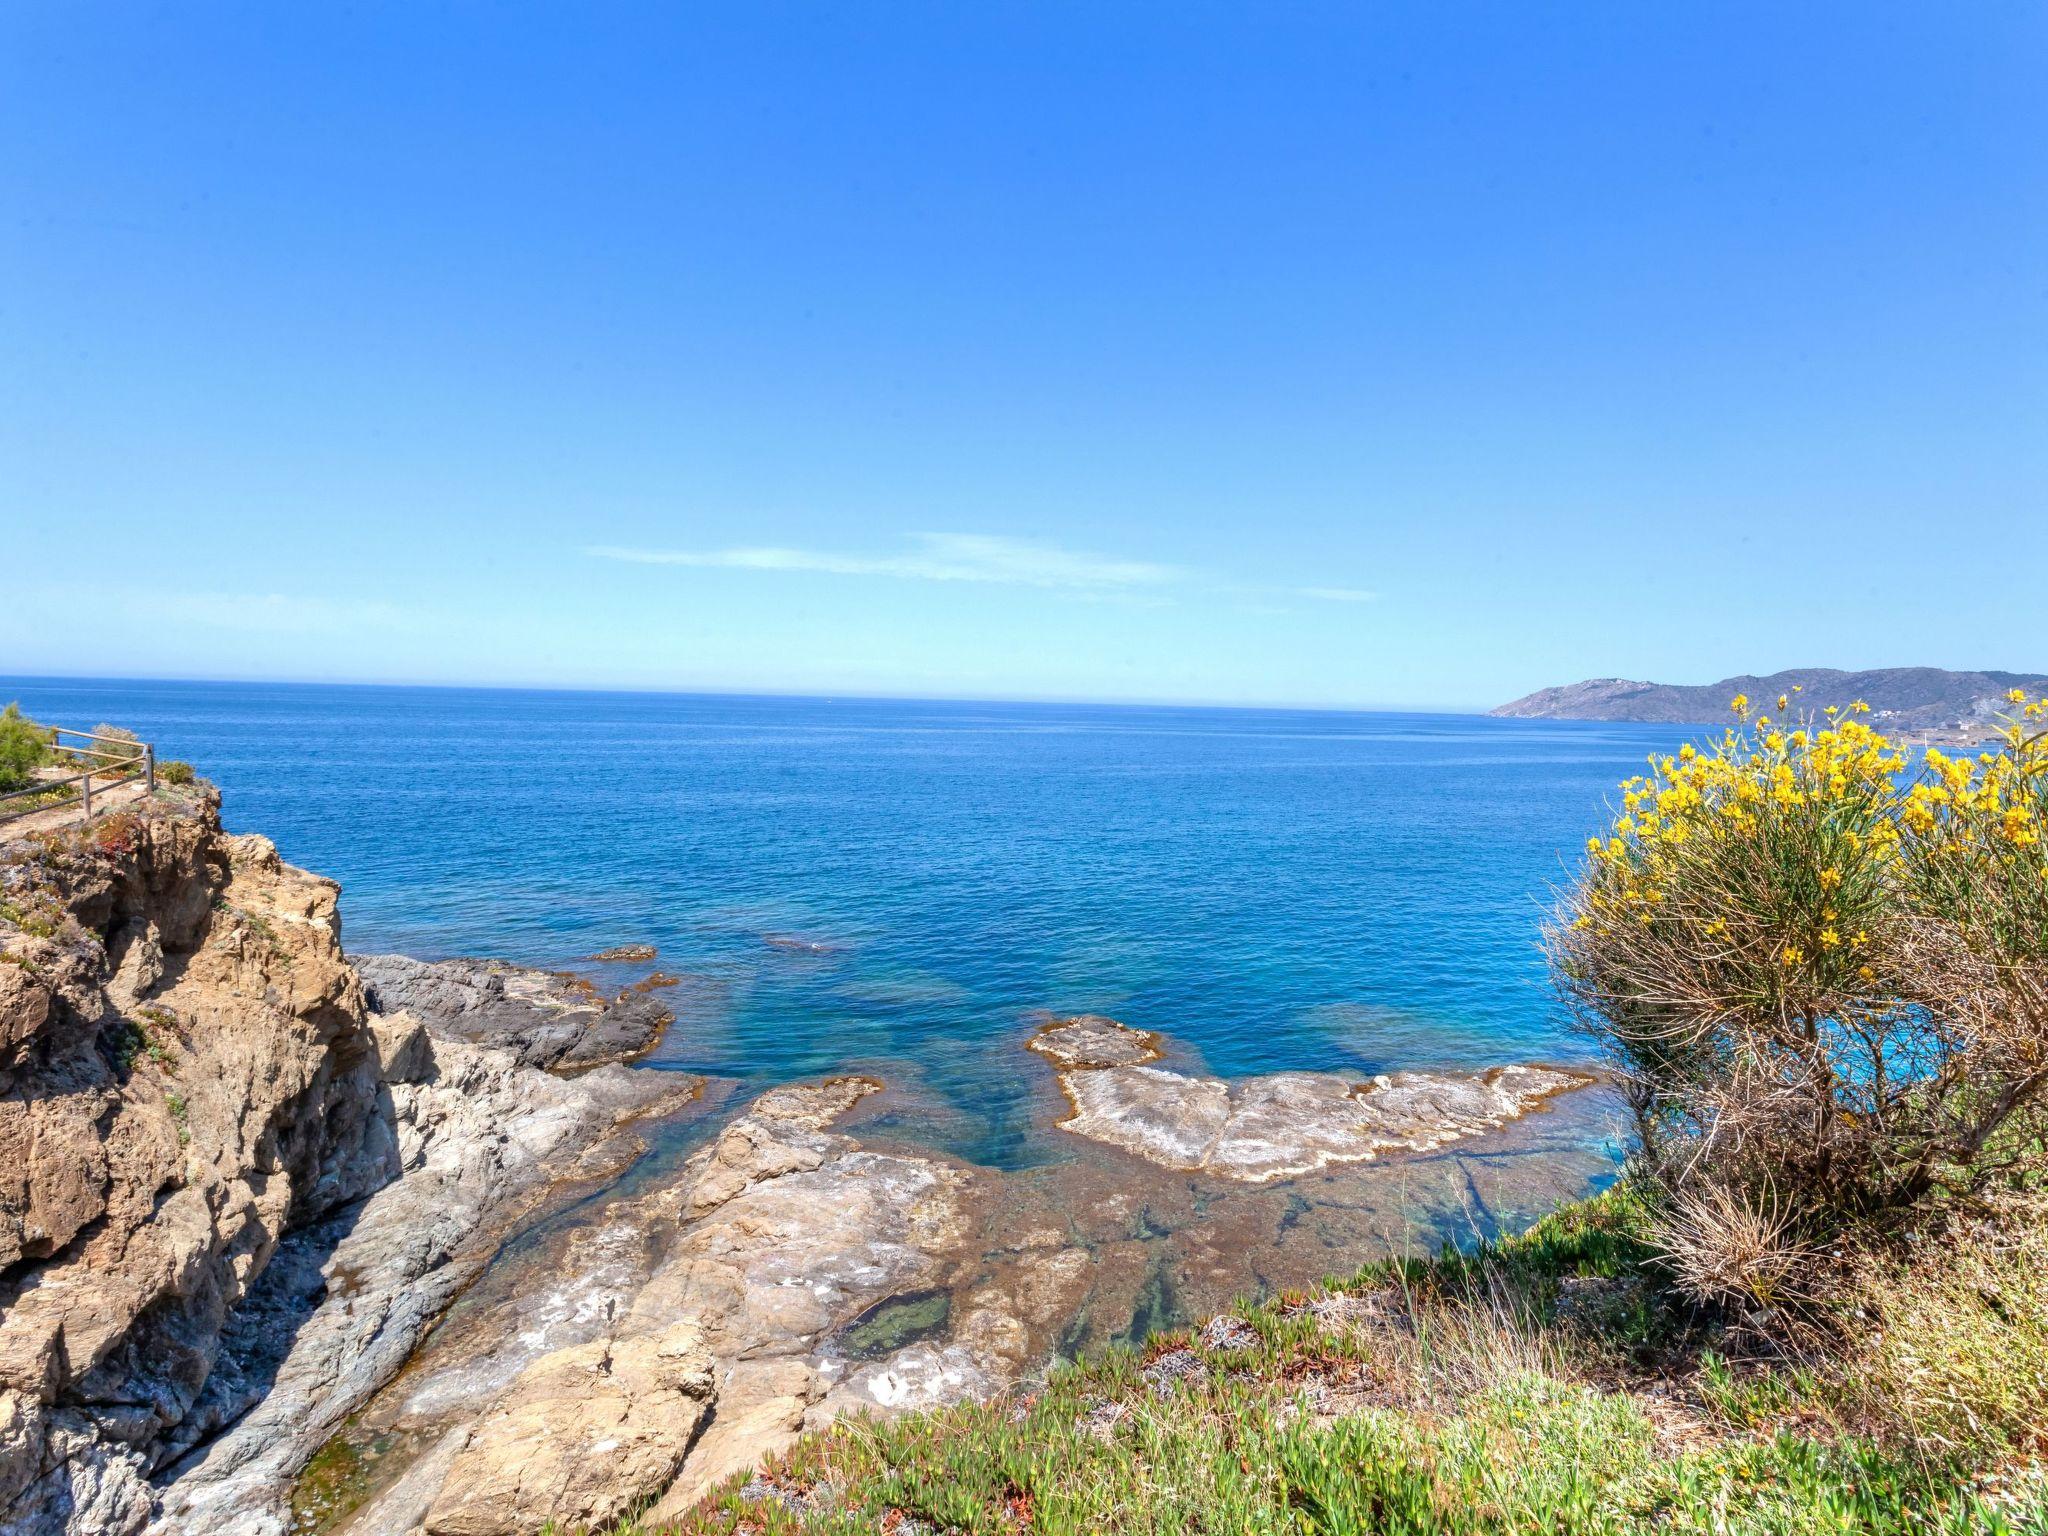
x: 1089, y: 1041
x: 548, y: 1019
x: 1276, y: 1126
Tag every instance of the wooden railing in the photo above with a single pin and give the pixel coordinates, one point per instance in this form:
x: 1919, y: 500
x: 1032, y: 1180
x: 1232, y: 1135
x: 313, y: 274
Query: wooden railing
x: 109, y: 758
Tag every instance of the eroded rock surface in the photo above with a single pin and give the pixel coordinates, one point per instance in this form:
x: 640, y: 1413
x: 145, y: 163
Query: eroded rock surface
x: 549, y: 1019
x: 346, y: 1301
x: 1279, y: 1125
x: 229, y: 1193
x: 1088, y: 1042
x: 770, y: 1241
x: 583, y: 1436
x: 188, y: 1075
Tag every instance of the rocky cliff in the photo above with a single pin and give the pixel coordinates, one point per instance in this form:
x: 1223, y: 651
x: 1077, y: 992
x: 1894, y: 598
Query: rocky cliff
x: 198, y: 1111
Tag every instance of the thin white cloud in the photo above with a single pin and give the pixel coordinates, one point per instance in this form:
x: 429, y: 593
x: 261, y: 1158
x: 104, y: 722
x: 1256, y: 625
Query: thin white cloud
x: 1338, y: 594
x: 985, y: 558
x: 936, y: 557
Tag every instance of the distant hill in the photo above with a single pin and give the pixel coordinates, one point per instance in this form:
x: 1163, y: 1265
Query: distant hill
x: 1926, y: 703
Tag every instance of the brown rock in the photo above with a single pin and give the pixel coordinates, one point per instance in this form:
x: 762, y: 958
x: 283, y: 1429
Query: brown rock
x: 761, y: 1408
x: 580, y: 1438
x: 1088, y: 1041
x: 185, y: 1073
x: 24, y: 1002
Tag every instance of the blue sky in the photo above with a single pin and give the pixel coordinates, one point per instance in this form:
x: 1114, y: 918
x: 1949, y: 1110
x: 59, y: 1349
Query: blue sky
x: 1382, y: 355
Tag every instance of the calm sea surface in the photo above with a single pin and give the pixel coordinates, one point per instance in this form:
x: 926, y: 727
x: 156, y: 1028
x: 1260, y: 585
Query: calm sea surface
x: 1273, y: 889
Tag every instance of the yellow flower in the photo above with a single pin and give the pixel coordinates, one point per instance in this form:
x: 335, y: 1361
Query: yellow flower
x: 1740, y: 704
x: 1829, y: 939
x: 2016, y: 696
x: 1791, y: 955
x: 1784, y: 701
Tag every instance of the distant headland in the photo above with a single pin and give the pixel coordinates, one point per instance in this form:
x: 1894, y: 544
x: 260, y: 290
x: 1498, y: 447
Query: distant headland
x: 1910, y: 703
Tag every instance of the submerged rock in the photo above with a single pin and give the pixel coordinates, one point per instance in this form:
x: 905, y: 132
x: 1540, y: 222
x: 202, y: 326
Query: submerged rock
x: 546, y: 1019
x: 797, y: 944
x: 626, y: 952
x: 1276, y: 1126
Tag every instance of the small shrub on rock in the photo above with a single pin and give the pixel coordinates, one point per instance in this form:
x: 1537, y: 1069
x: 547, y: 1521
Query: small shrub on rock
x: 24, y: 747
x: 117, y: 753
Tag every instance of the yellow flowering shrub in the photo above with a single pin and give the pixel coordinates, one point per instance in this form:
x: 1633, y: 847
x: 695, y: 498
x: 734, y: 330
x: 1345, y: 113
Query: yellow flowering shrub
x: 1819, y: 965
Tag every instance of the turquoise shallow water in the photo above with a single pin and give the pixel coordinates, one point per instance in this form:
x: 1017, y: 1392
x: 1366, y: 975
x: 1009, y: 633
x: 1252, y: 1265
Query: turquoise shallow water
x: 1273, y: 889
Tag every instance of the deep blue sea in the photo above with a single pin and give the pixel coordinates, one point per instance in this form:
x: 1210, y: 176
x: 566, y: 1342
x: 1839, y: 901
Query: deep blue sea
x: 1271, y: 888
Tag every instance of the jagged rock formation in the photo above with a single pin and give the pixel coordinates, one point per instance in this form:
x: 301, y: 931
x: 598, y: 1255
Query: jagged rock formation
x: 346, y: 1300
x: 545, y: 1018
x: 1925, y: 702
x: 1277, y: 1126
x: 195, y: 1106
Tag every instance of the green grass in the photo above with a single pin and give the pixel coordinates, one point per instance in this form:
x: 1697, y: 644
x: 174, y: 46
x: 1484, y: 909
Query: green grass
x: 1452, y: 1397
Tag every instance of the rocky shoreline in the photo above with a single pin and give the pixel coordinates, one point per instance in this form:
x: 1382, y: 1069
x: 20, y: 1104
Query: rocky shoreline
x: 796, y: 1268
x: 267, y: 1205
